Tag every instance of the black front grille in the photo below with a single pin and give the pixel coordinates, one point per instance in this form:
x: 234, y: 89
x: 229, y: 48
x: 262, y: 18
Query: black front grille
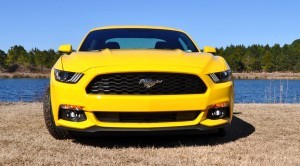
x: 147, y: 116
x: 134, y: 83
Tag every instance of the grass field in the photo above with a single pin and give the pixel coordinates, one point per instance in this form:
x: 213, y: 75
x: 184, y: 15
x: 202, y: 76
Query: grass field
x: 260, y: 134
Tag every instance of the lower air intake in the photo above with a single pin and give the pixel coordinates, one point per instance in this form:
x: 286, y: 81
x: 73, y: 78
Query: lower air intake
x: 147, y: 116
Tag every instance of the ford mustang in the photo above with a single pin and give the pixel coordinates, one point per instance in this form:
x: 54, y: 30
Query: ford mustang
x: 138, y: 78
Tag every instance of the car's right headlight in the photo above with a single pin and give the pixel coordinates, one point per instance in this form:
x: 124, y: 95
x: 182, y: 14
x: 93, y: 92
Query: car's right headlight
x: 66, y: 76
x: 220, y: 77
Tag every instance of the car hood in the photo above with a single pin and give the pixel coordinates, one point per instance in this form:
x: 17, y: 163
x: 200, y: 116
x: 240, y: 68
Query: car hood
x: 82, y: 61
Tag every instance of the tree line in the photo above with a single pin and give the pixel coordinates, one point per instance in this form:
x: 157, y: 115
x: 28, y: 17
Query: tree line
x: 259, y: 58
x: 254, y: 58
x: 17, y: 59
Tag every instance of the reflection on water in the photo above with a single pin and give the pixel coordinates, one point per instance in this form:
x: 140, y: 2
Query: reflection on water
x: 22, y: 89
x: 246, y: 91
x: 267, y: 91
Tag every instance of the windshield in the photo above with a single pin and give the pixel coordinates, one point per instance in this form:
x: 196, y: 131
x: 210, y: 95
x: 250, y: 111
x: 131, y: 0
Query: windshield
x: 131, y: 38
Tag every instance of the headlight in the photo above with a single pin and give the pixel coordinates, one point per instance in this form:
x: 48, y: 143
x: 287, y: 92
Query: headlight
x: 65, y: 76
x: 221, y: 76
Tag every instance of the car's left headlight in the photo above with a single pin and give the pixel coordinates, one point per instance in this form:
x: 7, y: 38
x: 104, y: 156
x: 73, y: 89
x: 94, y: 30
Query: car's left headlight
x: 220, y: 77
x: 66, y: 76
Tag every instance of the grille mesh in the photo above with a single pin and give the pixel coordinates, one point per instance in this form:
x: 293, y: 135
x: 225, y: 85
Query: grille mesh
x: 147, y: 116
x: 130, y: 83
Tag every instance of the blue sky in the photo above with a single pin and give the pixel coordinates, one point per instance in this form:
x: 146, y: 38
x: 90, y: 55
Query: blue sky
x: 47, y: 24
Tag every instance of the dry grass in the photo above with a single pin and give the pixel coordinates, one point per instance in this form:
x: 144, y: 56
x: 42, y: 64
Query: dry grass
x: 264, y: 75
x: 24, y: 75
x: 261, y: 134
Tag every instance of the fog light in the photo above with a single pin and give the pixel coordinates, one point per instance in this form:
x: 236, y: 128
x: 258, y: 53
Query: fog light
x: 218, y: 111
x: 72, y: 113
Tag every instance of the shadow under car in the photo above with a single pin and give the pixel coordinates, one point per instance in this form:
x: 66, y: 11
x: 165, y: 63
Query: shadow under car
x: 238, y: 129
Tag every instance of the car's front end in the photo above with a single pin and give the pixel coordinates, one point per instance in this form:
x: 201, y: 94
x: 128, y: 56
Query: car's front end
x: 141, y: 90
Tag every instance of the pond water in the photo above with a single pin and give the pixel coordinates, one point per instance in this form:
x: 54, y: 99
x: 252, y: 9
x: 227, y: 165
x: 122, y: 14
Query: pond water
x: 246, y: 91
x: 267, y: 91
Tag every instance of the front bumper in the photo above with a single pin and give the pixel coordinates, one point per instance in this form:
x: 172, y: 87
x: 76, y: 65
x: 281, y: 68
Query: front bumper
x: 74, y: 94
x: 104, y: 131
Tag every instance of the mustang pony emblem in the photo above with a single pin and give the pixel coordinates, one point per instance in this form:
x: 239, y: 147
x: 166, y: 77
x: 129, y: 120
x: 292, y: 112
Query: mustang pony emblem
x: 149, y: 83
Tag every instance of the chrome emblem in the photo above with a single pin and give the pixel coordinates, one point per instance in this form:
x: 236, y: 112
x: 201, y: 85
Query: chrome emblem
x: 149, y: 83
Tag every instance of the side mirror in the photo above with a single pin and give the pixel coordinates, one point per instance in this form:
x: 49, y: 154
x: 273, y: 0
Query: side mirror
x: 209, y: 49
x: 66, y: 48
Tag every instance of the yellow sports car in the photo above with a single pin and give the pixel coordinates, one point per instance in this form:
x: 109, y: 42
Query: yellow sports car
x: 138, y: 78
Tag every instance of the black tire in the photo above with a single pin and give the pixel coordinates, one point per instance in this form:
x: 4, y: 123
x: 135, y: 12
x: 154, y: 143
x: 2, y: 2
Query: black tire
x: 49, y: 121
x: 222, y: 132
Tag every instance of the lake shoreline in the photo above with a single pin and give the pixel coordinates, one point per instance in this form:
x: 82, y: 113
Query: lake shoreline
x: 11, y: 103
x: 267, y: 76
x: 238, y: 76
x: 24, y: 75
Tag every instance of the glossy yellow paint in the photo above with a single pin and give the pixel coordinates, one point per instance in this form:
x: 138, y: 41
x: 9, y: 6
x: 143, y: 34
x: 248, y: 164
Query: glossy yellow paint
x: 209, y: 49
x: 147, y: 58
x: 92, y: 64
x: 66, y: 48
